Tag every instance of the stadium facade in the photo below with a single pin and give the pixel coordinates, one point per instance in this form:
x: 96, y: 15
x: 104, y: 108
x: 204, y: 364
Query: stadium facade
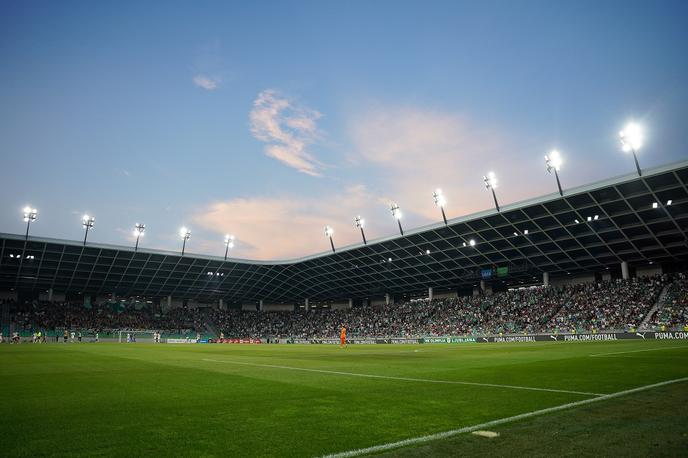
x: 607, y: 228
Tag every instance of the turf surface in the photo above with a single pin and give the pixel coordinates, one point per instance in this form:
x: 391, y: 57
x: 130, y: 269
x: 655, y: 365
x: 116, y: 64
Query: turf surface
x: 283, y: 400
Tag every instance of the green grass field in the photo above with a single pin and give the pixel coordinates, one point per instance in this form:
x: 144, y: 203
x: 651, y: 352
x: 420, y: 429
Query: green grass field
x: 292, y: 400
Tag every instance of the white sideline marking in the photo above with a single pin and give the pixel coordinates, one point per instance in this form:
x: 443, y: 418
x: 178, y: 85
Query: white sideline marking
x: 635, y: 351
x: 406, y: 379
x: 468, y: 429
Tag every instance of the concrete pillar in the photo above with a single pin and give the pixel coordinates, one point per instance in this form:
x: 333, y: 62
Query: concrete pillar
x: 482, y: 285
x: 87, y: 300
x: 50, y: 294
x: 308, y: 307
x: 430, y: 295
x: 351, y: 303
x: 221, y: 304
x: 545, y: 278
x: 260, y: 305
x: 624, y: 270
x: 169, y: 302
x: 387, y: 298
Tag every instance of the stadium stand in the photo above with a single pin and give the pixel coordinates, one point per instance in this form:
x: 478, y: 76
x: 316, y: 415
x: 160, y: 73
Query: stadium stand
x: 673, y: 311
x: 110, y: 317
x: 618, y: 305
x: 605, y: 306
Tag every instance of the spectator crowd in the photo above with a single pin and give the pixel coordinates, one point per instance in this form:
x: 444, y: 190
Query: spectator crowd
x: 109, y: 316
x: 586, y: 307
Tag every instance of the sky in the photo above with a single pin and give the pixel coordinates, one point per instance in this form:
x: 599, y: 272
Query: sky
x: 270, y: 120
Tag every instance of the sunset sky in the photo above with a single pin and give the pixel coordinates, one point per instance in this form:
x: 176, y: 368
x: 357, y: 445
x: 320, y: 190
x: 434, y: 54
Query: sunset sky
x: 270, y: 120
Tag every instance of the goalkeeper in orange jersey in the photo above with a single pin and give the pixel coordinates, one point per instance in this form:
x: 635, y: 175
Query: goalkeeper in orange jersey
x: 342, y: 337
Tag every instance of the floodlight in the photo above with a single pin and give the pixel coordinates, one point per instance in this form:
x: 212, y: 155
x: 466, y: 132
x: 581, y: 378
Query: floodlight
x: 328, y: 233
x: 440, y: 201
x: 655, y: 205
x: 185, y: 234
x: 360, y: 222
x: 669, y: 202
x: 439, y: 198
x: 553, y: 161
x: 87, y: 222
x: 396, y: 213
x: 139, y: 230
x: 490, y: 181
x: 631, y: 138
x: 471, y: 242
x: 525, y: 232
x: 30, y: 215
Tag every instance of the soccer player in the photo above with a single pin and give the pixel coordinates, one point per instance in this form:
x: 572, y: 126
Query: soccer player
x: 65, y: 334
x: 96, y: 337
x: 342, y: 337
x: 2, y: 339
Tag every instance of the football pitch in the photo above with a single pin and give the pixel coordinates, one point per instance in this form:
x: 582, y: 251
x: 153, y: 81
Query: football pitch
x: 622, y: 398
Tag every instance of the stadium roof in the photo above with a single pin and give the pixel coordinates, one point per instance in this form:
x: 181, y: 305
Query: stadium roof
x: 640, y: 220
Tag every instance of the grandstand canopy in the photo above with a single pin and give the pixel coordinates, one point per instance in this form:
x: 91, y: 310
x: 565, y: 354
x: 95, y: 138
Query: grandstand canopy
x: 640, y: 220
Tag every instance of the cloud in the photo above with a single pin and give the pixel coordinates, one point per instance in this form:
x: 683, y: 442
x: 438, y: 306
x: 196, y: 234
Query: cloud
x: 287, y: 129
x: 206, y: 82
x: 286, y: 227
x: 415, y: 151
